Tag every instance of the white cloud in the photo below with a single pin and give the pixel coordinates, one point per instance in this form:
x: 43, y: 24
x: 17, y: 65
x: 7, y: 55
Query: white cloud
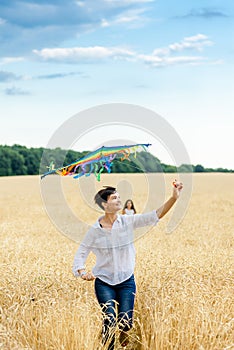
x: 157, y: 61
x: 49, y: 22
x: 184, y: 60
x: 135, y: 16
x: 198, y: 37
x: 197, y: 42
x: 164, y: 56
x: 84, y: 54
x: 160, y: 57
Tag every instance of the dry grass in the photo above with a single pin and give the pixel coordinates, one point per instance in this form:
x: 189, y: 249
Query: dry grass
x: 184, y: 280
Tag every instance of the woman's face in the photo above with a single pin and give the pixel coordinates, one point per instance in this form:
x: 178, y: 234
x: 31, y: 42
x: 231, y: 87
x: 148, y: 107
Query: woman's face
x: 113, y: 203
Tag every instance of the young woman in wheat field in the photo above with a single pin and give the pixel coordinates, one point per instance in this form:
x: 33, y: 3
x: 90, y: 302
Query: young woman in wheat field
x: 111, y: 240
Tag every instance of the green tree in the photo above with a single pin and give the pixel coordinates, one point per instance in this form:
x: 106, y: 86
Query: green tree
x: 199, y: 168
x: 5, y: 162
x: 17, y: 163
x: 11, y: 162
x: 169, y: 168
x: 185, y: 168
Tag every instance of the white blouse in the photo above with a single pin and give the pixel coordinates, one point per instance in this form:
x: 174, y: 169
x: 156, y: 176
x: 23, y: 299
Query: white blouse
x: 129, y: 211
x: 114, y: 249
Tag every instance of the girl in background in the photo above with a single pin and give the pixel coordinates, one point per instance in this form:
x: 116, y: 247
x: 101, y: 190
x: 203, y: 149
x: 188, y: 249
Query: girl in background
x: 111, y: 238
x: 129, y: 208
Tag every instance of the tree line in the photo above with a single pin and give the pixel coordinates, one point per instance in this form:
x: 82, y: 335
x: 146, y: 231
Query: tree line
x: 20, y: 160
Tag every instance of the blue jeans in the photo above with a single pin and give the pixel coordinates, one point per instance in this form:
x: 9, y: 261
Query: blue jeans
x: 117, y: 303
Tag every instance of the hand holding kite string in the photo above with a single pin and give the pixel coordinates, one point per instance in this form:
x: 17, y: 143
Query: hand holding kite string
x: 175, y: 183
x: 178, y: 186
x: 95, y: 162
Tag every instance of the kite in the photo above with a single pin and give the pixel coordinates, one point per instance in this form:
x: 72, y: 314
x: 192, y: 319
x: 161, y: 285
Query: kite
x: 97, y: 161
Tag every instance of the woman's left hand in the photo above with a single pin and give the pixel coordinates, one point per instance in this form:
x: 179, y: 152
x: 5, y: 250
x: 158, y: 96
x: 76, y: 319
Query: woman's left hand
x: 177, y: 188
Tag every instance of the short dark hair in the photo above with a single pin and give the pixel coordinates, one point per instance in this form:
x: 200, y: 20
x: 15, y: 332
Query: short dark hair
x: 102, y: 195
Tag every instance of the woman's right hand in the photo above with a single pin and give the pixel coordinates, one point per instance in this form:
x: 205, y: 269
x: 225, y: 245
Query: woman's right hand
x: 88, y: 276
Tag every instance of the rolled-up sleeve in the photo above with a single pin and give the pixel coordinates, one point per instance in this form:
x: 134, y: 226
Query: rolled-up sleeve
x: 146, y: 219
x: 82, y: 254
x: 80, y: 258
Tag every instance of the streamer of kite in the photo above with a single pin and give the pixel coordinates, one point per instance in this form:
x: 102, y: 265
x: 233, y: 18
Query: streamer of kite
x: 97, y: 161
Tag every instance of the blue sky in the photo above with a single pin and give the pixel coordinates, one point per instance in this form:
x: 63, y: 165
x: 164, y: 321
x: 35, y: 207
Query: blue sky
x: 58, y: 58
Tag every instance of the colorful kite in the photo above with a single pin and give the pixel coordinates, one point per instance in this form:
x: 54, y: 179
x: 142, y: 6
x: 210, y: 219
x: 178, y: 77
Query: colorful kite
x: 96, y: 162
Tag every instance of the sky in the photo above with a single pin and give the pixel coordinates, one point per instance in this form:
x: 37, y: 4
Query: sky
x: 58, y: 58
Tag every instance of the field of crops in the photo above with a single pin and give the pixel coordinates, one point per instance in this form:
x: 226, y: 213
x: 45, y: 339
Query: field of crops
x: 185, y: 280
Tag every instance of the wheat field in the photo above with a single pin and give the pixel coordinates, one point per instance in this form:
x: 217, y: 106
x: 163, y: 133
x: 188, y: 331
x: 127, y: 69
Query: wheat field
x: 184, y: 280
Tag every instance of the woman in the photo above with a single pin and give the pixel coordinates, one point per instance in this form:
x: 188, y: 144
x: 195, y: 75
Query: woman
x: 129, y: 208
x: 111, y: 240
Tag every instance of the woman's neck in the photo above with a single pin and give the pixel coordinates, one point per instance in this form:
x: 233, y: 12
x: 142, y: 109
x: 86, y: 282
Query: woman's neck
x: 108, y: 220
